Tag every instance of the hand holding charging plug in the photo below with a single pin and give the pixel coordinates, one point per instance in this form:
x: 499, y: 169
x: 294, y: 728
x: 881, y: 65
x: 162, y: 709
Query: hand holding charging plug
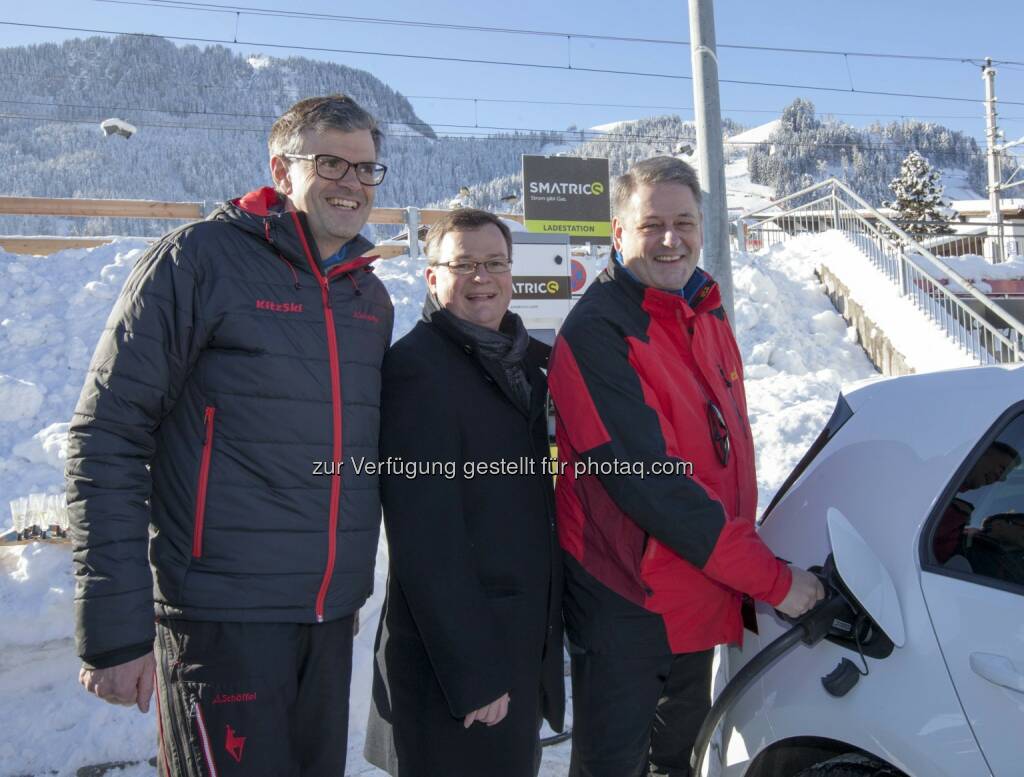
x: 805, y: 591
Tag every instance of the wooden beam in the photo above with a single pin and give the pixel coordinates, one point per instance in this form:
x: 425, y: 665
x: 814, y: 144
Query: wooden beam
x: 136, y: 209
x: 389, y: 250
x: 151, y: 209
x: 427, y: 216
x: 44, y: 246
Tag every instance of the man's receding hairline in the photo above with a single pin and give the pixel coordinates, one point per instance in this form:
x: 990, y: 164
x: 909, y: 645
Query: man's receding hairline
x: 632, y: 207
x: 323, y: 130
x: 459, y: 230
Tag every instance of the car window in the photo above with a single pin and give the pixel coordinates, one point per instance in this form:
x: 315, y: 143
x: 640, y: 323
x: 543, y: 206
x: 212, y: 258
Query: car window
x: 981, y: 530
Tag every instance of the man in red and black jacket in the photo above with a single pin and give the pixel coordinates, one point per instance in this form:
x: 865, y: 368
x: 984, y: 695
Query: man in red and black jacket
x: 657, y: 495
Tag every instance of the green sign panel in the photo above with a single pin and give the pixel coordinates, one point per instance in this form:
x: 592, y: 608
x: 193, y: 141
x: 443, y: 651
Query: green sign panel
x: 567, y: 196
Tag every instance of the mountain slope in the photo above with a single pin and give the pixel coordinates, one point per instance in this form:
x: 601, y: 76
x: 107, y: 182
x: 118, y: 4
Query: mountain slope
x: 203, y: 115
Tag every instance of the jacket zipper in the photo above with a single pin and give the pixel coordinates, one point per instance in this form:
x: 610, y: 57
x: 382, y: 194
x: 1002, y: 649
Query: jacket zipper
x: 703, y: 391
x: 332, y: 352
x: 743, y: 429
x: 204, y: 477
x: 728, y: 390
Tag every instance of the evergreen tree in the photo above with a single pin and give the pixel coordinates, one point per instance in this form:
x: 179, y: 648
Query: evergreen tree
x: 798, y: 116
x: 918, y: 198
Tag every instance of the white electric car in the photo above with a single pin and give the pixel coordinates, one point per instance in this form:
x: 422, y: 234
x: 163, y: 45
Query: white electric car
x: 916, y: 486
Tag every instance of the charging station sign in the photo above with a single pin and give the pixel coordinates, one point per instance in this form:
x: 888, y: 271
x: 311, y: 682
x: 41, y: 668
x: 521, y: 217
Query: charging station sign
x: 567, y: 196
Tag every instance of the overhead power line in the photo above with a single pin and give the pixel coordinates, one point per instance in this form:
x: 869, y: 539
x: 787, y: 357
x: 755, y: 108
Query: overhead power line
x: 506, y: 133
x: 273, y: 117
x: 504, y: 63
x: 514, y: 101
x: 232, y: 8
x: 689, y: 108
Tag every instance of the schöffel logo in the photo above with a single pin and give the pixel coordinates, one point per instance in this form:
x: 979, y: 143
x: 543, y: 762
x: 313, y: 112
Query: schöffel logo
x: 234, y: 698
x: 365, y: 316
x: 278, y: 307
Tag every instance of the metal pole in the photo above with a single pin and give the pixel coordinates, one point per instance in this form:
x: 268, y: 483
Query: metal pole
x: 835, y: 208
x: 412, y: 223
x: 710, y: 155
x: 988, y: 73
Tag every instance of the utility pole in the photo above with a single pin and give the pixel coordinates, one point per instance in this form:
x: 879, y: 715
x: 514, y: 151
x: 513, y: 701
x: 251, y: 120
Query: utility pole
x: 995, y: 174
x: 710, y: 155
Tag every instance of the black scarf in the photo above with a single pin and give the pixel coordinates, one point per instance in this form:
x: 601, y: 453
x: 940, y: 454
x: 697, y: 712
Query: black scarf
x: 506, y: 345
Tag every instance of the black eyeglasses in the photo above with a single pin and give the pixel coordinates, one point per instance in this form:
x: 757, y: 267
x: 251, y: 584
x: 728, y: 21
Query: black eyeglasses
x: 493, y: 266
x: 334, y: 168
x: 719, y: 433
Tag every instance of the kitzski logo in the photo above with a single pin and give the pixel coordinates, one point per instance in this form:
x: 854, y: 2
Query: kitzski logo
x: 234, y: 744
x: 278, y: 307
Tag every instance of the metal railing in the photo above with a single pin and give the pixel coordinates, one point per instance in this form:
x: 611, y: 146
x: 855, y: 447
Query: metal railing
x: 986, y: 331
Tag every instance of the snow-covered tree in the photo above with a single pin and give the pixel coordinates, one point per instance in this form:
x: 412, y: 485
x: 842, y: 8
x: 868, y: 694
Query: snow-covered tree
x: 866, y: 159
x: 798, y: 116
x: 918, y: 198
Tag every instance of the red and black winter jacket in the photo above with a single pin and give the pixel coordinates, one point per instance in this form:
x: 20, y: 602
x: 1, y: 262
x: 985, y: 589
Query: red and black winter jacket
x: 205, y: 479
x: 633, y: 375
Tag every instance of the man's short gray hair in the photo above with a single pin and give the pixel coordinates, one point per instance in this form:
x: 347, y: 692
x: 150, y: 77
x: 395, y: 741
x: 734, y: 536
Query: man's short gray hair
x: 659, y: 169
x: 331, y: 112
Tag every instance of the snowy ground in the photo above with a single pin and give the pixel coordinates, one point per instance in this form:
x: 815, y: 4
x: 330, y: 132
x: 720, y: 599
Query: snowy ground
x: 798, y: 353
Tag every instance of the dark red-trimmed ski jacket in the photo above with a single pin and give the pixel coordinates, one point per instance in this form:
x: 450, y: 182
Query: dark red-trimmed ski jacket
x: 633, y: 373
x: 232, y: 376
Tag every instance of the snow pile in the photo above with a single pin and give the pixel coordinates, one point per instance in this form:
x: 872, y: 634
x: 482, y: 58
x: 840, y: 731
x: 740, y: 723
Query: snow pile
x: 48, y: 723
x: 404, y: 279
x: 797, y: 354
x: 53, y: 310
x: 19, y: 399
x: 923, y: 344
x: 977, y: 269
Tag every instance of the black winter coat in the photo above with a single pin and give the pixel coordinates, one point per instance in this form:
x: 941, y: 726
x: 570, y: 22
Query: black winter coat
x: 473, y: 605
x: 229, y: 367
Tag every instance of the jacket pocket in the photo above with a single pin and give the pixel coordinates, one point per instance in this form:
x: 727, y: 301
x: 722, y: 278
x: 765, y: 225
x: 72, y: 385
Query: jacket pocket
x: 209, y: 417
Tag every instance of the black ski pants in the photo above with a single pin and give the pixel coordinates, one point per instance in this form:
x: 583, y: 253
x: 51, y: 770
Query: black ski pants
x: 634, y: 716
x: 253, y: 699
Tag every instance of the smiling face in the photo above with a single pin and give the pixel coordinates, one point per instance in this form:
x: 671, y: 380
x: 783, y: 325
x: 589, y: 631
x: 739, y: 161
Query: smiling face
x: 335, y: 210
x: 659, y: 234
x: 480, y: 297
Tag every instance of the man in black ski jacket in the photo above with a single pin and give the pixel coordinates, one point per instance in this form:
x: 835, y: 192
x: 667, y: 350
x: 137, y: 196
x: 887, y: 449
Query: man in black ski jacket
x: 239, y: 367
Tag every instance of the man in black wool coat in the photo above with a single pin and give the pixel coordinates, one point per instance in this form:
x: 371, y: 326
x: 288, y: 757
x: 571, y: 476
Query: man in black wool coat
x: 469, y: 648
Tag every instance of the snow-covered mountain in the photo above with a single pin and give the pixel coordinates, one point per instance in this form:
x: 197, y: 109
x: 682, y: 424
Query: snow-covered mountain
x: 202, y: 116
x: 802, y: 149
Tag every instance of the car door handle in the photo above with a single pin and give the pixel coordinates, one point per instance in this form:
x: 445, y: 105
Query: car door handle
x: 999, y: 670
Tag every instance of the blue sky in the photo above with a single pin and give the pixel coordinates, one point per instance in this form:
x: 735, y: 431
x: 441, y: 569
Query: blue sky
x: 937, y: 28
